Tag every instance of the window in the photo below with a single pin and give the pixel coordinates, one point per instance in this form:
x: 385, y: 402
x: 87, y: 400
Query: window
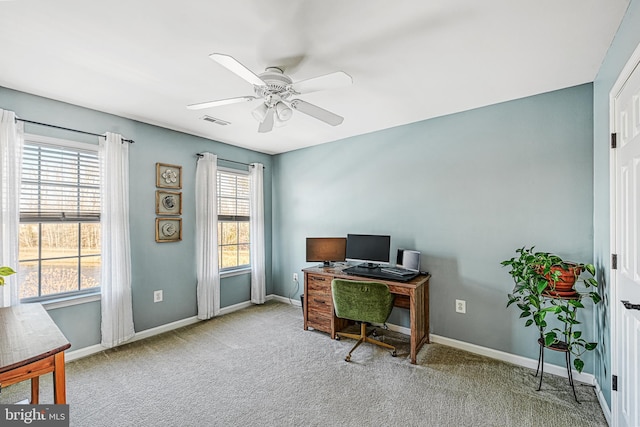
x: 59, y: 250
x: 233, y: 219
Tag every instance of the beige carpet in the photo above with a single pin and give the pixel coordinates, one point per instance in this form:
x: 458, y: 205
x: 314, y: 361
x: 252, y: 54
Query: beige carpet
x: 258, y: 367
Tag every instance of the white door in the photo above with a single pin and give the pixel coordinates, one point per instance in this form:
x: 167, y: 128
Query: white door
x: 626, y: 279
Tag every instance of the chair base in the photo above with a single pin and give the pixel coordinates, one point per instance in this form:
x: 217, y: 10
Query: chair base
x: 363, y: 337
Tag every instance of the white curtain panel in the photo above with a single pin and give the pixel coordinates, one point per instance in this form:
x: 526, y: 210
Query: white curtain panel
x: 11, y: 144
x: 207, y: 271
x: 256, y: 226
x: 115, y: 280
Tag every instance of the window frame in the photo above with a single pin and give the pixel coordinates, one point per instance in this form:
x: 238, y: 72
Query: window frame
x: 239, y: 269
x: 62, y: 299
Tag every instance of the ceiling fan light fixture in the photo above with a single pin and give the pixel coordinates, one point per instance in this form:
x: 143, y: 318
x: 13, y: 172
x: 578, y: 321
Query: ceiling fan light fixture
x: 284, y: 113
x: 278, y: 123
x: 260, y: 112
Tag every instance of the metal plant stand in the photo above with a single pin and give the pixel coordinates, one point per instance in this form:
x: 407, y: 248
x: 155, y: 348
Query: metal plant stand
x: 560, y: 346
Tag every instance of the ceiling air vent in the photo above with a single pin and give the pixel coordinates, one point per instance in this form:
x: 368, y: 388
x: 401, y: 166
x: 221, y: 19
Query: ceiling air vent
x: 215, y: 120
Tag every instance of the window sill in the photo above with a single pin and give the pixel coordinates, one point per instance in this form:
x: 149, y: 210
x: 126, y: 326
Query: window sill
x: 230, y: 273
x: 83, y: 299
x: 70, y: 301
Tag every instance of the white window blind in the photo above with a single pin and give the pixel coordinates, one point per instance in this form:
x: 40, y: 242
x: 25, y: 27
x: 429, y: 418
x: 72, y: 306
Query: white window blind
x: 59, y: 184
x: 233, y: 197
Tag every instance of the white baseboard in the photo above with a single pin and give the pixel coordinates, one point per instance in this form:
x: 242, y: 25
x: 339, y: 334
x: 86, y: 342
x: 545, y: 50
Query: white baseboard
x: 97, y: 348
x: 512, y: 358
x: 472, y: 348
x: 501, y: 355
x: 285, y: 300
x: 484, y: 351
x: 603, y: 403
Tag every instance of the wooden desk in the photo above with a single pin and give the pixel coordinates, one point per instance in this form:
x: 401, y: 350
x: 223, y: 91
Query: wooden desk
x: 31, y: 345
x: 318, y: 303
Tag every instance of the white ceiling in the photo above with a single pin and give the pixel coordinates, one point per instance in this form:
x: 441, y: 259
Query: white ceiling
x: 410, y: 59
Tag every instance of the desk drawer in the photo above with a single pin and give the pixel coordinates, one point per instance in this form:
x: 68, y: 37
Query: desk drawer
x: 318, y: 284
x: 319, y: 320
x: 320, y: 302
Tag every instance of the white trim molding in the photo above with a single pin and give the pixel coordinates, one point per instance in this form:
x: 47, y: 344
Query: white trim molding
x: 147, y: 333
x: 501, y: 355
x: 526, y: 362
x: 472, y: 348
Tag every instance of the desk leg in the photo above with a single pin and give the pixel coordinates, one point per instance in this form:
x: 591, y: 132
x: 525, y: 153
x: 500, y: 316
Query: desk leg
x: 419, y: 316
x: 35, y: 390
x: 426, y: 312
x: 414, y: 328
x: 59, y: 385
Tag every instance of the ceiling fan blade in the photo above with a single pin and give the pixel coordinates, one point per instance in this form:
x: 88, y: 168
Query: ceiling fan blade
x: 267, y: 123
x: 234, y: 66
x: 220, y: 102
x: 328, y: 81
x: 317, y: 112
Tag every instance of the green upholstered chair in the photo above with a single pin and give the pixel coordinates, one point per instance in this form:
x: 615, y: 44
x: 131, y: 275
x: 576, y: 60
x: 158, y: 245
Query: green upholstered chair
x: 365, y: 302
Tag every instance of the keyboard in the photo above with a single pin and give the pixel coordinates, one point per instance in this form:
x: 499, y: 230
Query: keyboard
x: 397, y: 271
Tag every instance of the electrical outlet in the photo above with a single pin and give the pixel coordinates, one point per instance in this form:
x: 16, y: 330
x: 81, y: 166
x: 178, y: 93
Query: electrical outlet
x: 295, y: 277
x: 157, y: 296
x: 461, y: 306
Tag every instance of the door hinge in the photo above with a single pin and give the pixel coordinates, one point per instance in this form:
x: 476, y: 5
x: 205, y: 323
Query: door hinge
x: 614, y: 261
x: 614, y: 382
x: 614, y: 140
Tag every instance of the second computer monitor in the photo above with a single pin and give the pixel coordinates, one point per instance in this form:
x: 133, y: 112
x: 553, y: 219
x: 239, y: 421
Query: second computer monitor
x: 370, y: 249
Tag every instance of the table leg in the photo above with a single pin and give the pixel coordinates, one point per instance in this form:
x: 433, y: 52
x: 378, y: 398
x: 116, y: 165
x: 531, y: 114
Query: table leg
x: 59, y: 386
x: 35, y: 390
x: 414, y: 327
x: 419, y: 316
x: 426, y: 312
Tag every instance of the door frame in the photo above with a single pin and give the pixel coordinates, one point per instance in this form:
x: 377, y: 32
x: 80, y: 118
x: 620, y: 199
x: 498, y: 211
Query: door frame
x: 614, y: 307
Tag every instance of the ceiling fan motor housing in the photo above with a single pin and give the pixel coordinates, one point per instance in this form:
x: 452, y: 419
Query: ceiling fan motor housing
x: 276, y: 83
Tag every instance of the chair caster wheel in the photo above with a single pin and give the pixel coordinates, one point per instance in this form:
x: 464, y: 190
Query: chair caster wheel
x: 337, y: 338
x: 347, y: 359
x: 394, y: 353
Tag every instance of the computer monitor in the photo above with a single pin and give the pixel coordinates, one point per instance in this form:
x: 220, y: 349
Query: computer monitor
x: 326, y: 249
x: 369, y: 249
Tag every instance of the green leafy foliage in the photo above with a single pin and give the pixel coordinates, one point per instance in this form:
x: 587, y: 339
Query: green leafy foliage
x: 534, y: 275
x: 5, y: 271
x: 579, y: 364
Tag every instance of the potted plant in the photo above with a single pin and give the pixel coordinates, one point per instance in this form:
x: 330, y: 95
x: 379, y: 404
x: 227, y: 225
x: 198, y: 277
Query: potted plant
x: 538, y: 291
x: 5, y: 271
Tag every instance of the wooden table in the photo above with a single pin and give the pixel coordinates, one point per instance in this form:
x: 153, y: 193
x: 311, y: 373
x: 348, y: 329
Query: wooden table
x: 318, y: 305
x: 31, y: 345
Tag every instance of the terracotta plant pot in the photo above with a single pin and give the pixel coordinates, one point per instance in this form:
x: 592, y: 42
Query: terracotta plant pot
x: 566, y: 279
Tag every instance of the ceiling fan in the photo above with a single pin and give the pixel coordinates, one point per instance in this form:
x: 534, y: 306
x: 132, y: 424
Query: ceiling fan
x: 276, y: 89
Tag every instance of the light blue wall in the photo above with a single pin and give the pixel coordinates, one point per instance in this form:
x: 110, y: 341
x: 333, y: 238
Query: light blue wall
x: 466, y: 190
x: 166, y: 266
x: 625, y: 42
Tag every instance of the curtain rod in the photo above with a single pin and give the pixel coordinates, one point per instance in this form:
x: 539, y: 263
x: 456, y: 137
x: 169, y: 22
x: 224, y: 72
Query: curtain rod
x: 72, y: 130
x: 199, y: 155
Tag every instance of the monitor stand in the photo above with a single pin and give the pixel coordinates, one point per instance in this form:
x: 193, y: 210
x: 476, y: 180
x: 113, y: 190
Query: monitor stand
x: 369, y: 265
